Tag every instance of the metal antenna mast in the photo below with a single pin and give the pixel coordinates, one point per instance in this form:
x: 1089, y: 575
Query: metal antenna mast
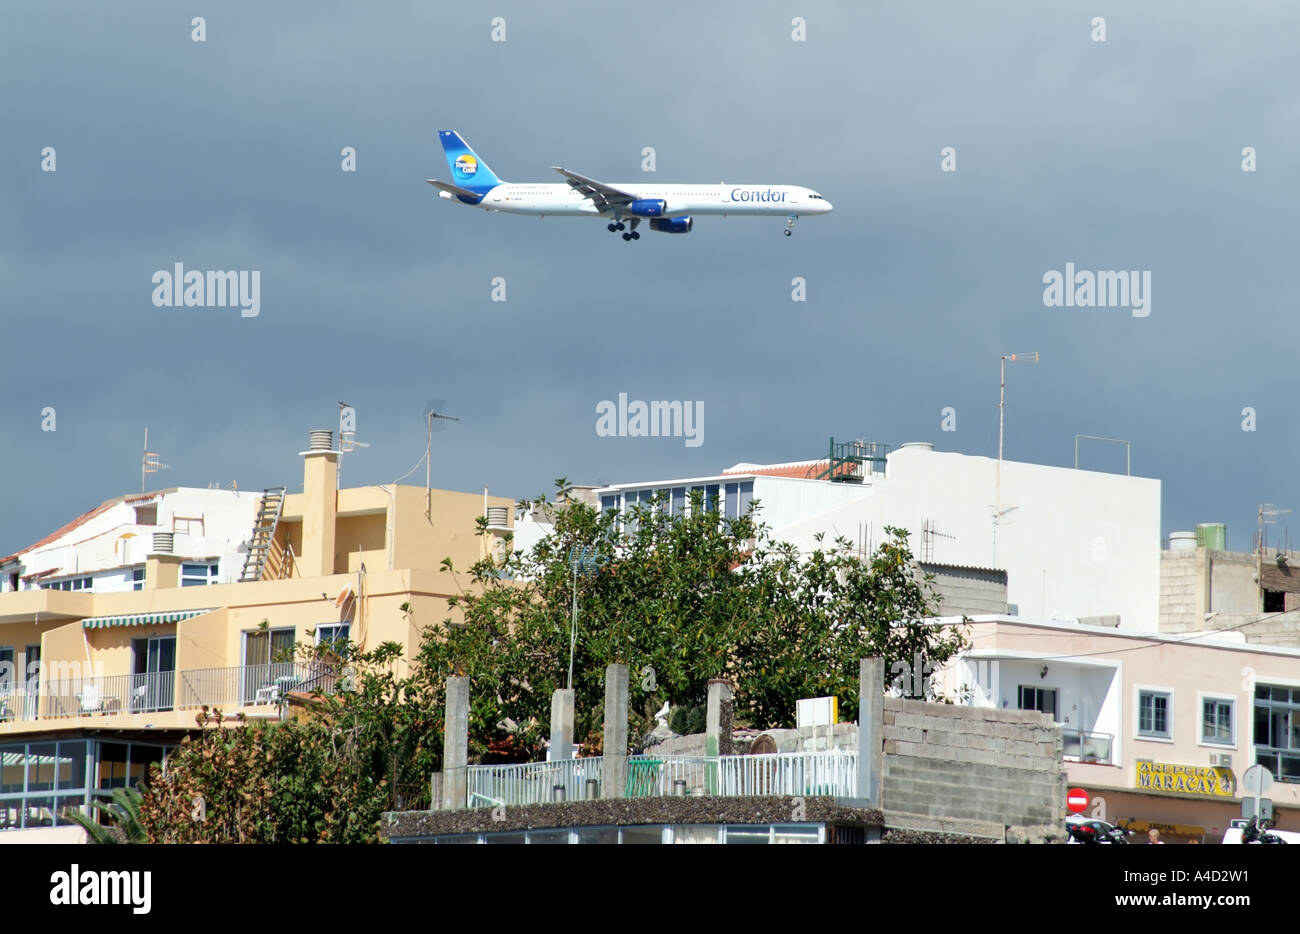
x: 432, y: 415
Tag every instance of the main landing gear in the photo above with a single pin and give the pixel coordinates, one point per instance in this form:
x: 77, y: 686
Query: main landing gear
x: 789, y: 224
x: 616, y: 226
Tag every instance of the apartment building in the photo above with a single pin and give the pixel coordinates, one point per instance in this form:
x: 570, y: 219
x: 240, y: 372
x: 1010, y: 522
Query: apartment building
x: 1156, y: 726
x: 197, y: 598
x: 1074, y: 544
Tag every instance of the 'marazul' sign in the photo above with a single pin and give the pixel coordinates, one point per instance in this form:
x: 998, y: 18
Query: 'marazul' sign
x: 1185, y: 779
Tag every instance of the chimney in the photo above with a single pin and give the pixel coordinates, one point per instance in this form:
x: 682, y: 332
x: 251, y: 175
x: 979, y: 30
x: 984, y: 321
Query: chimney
x: 320, y: 481
x: 162, y: 568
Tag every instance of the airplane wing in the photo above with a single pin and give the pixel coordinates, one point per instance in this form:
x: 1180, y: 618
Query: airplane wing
x: 454, y: 189
x: 601, y: 195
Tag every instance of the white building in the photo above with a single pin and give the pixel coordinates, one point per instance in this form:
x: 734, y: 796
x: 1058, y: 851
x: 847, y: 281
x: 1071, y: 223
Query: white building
x: 104, y: 550
x: 1075, y: 544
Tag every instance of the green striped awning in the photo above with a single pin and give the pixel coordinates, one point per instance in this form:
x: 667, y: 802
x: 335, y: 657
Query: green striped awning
x: 140, y: 619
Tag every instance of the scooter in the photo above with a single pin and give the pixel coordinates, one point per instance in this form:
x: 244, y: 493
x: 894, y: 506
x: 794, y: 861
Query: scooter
x: 1257, y: 832
x: 1084, y: 830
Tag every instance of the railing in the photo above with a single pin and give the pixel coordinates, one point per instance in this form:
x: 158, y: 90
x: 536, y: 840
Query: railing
x: 799, y: 773
x: 252, y: 685
x: 146, y: 692
x: 19, y: 700
x: 533, y: 782
x: 1086, y: 746
x: 155, y: 691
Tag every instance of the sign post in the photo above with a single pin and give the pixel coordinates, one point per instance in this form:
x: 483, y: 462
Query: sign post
x: 1255, y: 781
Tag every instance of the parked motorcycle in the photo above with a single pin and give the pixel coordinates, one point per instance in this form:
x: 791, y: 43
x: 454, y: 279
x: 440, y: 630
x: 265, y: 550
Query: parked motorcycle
x: 1257, y: 832
x: 1086, y: 830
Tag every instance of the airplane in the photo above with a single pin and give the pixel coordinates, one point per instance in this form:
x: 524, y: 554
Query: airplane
x: 669, y: 208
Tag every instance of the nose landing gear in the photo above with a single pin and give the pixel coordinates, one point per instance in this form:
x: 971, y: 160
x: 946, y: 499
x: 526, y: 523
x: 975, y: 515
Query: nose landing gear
x: 789, y: 224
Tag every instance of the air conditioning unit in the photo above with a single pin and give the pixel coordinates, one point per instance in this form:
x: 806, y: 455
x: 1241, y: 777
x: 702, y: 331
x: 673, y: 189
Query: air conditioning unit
x: 1221, y: 759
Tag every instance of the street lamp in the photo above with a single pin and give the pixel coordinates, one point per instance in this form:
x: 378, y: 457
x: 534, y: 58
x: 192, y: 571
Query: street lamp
x: 582, y: 560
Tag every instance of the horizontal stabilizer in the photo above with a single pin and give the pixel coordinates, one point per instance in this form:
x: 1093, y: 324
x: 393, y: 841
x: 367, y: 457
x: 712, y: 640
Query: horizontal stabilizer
x: 454, y: 189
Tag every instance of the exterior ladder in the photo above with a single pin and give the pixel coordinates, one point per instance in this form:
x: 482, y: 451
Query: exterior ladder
x: 259, y: 546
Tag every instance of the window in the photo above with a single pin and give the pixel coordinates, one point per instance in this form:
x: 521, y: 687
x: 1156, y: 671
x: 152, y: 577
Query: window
x: 187, y: 525
x: 333, y: 633
x: 679, y: 500
x: 137, y: 579
x: 1277, y: 731
x: 6, y: 668
x: 733, y: 496
x: 609, y: 502
x: 1036, y: 698
x: 197, y: 575
x: 1274, y: 601
x: 1153, y: 714
x: 1217, y: 718
x: 711, y: 497
x: 146, y: 515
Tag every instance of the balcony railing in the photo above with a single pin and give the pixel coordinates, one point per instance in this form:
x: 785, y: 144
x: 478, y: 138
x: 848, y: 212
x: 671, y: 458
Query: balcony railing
x: 152, y: 692
x: 779, y: 774
x: 1086, y: 746
x: 252, y: 685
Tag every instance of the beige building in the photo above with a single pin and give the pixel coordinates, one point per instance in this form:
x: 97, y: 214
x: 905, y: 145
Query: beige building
x: 95, y: 685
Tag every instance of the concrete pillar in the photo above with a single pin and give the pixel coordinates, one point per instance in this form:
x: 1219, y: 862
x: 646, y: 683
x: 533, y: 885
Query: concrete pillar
x: 320, y: 482
x: 871, y: 723
x: 614, y: 767
x: 717, y: 729
x: 455, y: 744
x: 562, y: 724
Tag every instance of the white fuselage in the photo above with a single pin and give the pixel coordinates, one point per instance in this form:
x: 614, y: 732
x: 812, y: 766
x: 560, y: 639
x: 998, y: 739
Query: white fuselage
x: 679, y: 200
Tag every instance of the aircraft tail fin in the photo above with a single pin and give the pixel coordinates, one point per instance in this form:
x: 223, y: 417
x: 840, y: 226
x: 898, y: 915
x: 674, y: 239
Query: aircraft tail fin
x: 468, y: 171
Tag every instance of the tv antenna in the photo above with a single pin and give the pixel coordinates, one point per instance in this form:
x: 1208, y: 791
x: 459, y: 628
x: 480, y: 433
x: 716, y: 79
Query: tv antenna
x: 347, y: 436
x: 149, y: 463
x: 435, y: 419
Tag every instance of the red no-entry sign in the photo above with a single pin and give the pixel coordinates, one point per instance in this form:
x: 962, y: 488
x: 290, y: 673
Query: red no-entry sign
x: 1076, y: 800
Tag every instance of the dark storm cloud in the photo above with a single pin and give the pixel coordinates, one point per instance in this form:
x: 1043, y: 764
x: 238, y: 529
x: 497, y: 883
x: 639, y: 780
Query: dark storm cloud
x: 225, y: 155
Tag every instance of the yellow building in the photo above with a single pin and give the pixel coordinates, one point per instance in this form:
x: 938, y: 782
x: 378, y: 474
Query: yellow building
x: 112, y: 679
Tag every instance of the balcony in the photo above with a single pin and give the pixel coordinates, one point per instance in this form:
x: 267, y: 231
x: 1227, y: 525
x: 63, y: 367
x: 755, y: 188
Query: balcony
x: 161, y: 692
x: 1087, y: 746
x: 833, y: 774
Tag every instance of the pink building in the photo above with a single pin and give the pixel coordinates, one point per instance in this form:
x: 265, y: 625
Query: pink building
x: 1157, y: 727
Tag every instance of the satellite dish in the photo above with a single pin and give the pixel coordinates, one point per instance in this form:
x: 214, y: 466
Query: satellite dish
x: 344, y: 596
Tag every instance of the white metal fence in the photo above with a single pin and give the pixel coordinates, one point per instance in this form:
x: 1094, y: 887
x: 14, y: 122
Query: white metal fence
x: 534, y: 782
x: 798, y: 773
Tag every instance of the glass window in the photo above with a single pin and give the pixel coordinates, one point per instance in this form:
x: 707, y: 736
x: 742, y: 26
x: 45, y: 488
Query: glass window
x: 711, y: 497
x: 608, y: 502
x: 795, y: 833
x: 41, y: 761
x: 746, y: 496
x: 137, y: 579
x: 112, y: 765
x: 13, y: 768
x: 695, y: 833
x: 743, y: 834
x: 733, y: 490
x: 1216, y: 721
x: 6, y: 668
x: 333, y: 633
x: 503, y: 838
x: 72, y: 765
x: 1036, y: 698
x: 679, y: 500
x: 40, y: 812
x: 1153, y: 714
x: 597, y: 834
x: 548, y: 836
x: 643, y: 835
x: 198, y: 575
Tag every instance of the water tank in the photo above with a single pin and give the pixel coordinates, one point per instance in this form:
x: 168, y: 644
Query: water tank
x: 1182, y: 541
x: 162, y: 543
x: 498, y: 517
x: 922, y: 445
x: 322, y: 439
x: 1212, y: 535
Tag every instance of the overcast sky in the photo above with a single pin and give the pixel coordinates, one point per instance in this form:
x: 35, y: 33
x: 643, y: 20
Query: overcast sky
x: 225, y: 154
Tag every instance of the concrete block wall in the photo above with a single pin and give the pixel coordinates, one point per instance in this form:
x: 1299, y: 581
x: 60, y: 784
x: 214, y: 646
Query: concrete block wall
x: 970, y: 592
x: 1178, y: 580
x: 976, y: 763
